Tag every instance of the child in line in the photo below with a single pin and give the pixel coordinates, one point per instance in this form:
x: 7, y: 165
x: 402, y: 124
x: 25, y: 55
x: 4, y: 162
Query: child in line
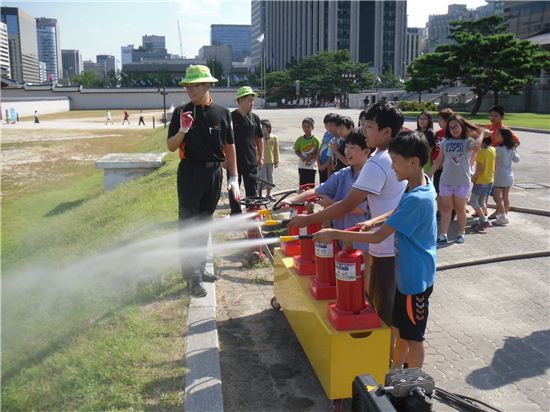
x: 271, y: 157
x: 377, y: 183
x: 306, y: 148
x: 340, y: 183
x: 504, y: 176
x: 454, y: 185
x: 483, y: 182
x: 442, y: 118
x: 324, y: 158
x: 344, y: 126
x: 414, y: 225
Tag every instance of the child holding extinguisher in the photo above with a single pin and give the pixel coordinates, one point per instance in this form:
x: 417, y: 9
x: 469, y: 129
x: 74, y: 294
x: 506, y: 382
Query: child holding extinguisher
x: 414, y: 224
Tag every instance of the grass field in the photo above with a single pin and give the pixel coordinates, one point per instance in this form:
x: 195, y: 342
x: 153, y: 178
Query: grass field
x: 87, y: 347
x: 529, y: 120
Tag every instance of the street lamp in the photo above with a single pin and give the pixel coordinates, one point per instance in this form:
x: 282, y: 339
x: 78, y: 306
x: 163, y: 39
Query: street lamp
x: 164, y: 93
x: 260, y: 40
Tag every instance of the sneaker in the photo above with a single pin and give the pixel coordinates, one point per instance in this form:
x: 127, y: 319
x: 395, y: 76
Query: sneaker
x: 196, y: 289
x: 209, y: 277
x: 482, y: 226
x: 501, y: 220
x: 460, y: 239
x: 442, y: 240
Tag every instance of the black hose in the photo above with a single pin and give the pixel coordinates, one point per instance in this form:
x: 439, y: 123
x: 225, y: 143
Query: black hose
x: 463, y: 401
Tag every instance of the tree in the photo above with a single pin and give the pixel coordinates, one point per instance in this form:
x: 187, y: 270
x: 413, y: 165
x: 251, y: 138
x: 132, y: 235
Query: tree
x: 87, y: 78
x: 279, y: 86
x: 389, y: 79
x: 216, y: 68
x: 488, y: 58
x: 426, y: 73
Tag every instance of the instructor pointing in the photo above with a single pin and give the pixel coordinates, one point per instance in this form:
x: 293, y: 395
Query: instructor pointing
x: 201, y: 130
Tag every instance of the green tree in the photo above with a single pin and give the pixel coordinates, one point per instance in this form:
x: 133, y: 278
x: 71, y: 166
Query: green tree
x: 389, y: 79
x: 488, y: 58
x: 87, y: 78
x: 426, y: 73
x: 216, y: 68
x: 279, y: 86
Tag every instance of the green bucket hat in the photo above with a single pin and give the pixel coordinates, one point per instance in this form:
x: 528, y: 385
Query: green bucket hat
x: 245, y: 91
x: 197, y: 74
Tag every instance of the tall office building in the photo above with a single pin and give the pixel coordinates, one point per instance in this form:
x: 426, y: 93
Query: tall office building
x: 235, y: 35
x: 154, y: 43
x: 527, y: 18
x: 49, y: 50
x: 4, y: 52
x: 257, y: 28
x: 438, y: 25
x: 108, y: 62
x: 373, y: 31
x: 414, y: 45
x: 97, y: 68
x: 43, y: 72
x: 22, y: 43
x: 72, y: 63
x: 126, y: 54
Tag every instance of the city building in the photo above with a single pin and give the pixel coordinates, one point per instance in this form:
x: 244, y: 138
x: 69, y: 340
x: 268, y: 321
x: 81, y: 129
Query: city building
x: 49, y: 50
x: 126, y: 54
x: 153, y: 48
x: 23, y: 47
x: 235, y: 35
x: 221, y: 54
x: 154, y: 43
x: 414, y: 45
x: 71, y: 62
x: 108, y: 62
x: 527, y: 18
x: 4, y: 52
x: 97, y: 68
x: 257, y: 29
x: 169, y: 72
x: 438, y: 25
x: 373, y: 31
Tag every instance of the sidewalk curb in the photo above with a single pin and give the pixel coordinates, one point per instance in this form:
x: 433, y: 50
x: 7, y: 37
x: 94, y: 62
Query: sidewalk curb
x: 203, y: 382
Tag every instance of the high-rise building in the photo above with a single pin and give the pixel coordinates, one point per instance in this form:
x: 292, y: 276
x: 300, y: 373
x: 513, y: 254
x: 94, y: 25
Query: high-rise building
x: 222, y: 54
x: 414, y: 44
x: 373, y: 31
x: 22, y: 43
x: 49, y: 50
x: 108, y: 62
x: 154, y: 43
x: 235, y: 35
x: 257, y: 29
x: 97, y: 68
x: 43, y: 72
x: 527, y: 18
x: 4, y: 51
x: 126, y: 54
x: 438, y: 25
x: 72, y: 63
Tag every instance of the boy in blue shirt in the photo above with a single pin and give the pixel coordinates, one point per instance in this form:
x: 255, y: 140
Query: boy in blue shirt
x: 324, y: 157
x: 415, y: 228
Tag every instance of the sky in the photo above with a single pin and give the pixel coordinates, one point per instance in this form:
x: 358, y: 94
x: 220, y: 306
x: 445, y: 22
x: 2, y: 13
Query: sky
x: 102, y: 27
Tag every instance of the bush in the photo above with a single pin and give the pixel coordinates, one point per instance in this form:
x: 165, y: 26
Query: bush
x: 415, y: 106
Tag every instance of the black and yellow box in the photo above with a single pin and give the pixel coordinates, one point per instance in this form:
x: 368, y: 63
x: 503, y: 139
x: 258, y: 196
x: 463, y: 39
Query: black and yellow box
x: 336, y: 356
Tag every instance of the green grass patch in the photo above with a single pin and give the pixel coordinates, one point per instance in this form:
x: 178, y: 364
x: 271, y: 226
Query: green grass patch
x: 73, y: 341
x: 117, y: 115
x: 529, y: 120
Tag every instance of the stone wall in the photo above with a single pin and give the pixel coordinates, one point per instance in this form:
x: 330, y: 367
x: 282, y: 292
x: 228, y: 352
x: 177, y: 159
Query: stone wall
x: 27, y: 106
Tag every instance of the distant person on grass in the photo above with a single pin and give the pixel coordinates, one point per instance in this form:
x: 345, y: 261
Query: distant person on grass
x: 108, y: 117
x: 201, y: 131
x: 141, y: 118
x: 126, y: 118
x: 36, y: 118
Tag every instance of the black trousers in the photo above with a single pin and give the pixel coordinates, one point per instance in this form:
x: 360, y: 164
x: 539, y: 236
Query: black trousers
x: 306, y: 176
x: 250, y: 186
x: 198, y: 195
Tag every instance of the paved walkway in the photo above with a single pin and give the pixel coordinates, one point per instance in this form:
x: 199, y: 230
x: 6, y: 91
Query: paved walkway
x: 489, y: 328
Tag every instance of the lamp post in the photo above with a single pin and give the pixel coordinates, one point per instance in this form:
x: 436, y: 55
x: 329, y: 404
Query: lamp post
x: 260, y: 40
x: 164, y: 93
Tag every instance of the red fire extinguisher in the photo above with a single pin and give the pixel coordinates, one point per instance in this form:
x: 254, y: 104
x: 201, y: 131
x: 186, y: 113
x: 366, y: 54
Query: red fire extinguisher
x: 254, y: 204
x: 323, y: 285
x: 351, y: 310
x: 292, y: 248
x: 305, y: 261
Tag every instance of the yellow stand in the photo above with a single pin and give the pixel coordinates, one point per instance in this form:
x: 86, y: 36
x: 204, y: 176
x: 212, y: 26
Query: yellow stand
x: 336, y: 356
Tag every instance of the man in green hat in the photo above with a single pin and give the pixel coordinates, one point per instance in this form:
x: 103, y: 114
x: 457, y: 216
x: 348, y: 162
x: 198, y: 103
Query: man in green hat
x: 201, y: 131
x: 249, y: 143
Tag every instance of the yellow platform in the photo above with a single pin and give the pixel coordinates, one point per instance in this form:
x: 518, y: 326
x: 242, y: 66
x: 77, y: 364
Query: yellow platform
x: 336, y: 356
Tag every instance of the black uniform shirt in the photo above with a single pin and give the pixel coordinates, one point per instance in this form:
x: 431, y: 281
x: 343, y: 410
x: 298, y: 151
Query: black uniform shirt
x: 246, y: 129
x: 210, y: 131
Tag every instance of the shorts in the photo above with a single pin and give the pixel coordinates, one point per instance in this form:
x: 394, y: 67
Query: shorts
x: 437, y: 176
x: 266, y: 173
x: 460, y: 191
x: 381, y: 286
x: 410, y: 314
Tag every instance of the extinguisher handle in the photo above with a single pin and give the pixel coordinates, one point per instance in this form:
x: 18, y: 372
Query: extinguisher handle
x: 312, y: 199
x: 307, y: 186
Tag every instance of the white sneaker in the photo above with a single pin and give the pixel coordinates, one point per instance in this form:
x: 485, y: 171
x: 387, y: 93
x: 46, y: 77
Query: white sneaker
x: 501, y: 220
